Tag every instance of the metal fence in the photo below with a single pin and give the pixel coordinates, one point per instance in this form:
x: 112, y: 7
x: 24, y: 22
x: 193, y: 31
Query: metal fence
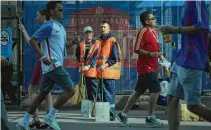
x: 9, y: 19
x: 124, y: 16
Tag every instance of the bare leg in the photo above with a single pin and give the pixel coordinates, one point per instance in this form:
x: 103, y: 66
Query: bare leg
x: 36, y: 102
x: 173, y: 113
x: 48, y: 102
x: 63, y: 98
x: 32, y: 94
x: 152, y: 103
x: 131, y: 101
x: 200, y: 110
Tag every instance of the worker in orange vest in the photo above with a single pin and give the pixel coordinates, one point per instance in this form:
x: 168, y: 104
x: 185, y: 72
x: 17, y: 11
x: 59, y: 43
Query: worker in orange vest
x: 109, y: 63
x: 89, y: 69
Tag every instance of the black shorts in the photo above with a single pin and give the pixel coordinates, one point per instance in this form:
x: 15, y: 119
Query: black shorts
x: 148, y: 81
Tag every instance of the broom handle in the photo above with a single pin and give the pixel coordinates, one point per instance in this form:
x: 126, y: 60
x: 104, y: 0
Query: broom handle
x: 81, y: 80
x: 81, y: 76
x: 81, y: 83
x: 95, y: 98
x: 97, y: 92
x: 99, y: 86
x: 101, y: 80
x: 86, y: 93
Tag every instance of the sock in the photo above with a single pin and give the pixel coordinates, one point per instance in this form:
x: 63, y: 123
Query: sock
x: 52, y: 113
x: 123, y: 114
x: 26, y: 119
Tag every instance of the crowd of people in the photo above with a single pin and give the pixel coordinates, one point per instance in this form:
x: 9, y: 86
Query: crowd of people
x: 101, y: 59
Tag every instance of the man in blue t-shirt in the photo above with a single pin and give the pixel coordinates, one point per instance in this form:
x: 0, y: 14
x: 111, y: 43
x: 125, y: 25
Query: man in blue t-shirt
x: 186, y: 81
x: 52, y: 38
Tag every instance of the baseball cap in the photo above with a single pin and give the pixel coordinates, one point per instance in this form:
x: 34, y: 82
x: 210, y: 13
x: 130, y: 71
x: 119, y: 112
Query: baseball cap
x: 88, y: 28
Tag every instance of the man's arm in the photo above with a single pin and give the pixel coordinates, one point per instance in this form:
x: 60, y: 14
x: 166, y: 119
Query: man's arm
x: 142, y: 52
x: 25, y: 34
x: 34, y: 44
x: 92, y: 58
x: 191, y: 30
x: 183, y: 29
x: 148, y: 53
x: 198, y: 26
x: 41, y: 34
x: 114, y: 56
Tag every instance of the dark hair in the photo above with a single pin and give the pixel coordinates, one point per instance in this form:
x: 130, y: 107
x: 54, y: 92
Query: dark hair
x: 43, y: 11
x: 103, y: 22
x: 51, y: 5
x: 144, y: 16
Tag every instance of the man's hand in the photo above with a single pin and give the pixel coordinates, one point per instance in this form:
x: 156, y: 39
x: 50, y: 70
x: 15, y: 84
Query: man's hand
x: 85, y: 68
x: 102, y: 68
x: 4, y: 61
x: 169, y: 29
x: 162, y: 58
x: 21, y: 27
x: 46, y: 61
x: 155, y: 54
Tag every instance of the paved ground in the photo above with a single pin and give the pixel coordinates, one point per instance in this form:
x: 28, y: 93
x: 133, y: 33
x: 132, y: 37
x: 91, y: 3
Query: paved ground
x: 72, y: 120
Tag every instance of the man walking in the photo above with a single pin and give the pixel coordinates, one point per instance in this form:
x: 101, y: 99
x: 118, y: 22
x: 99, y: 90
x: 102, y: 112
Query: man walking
x: 189, y: 63
x: 148, y: 51
x: 52, y: 37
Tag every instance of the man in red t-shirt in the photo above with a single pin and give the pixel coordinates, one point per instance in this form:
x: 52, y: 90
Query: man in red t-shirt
x: 147, y: 48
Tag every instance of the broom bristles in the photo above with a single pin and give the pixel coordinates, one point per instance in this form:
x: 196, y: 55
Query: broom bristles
x: 74, y: 98
x: 78, y: 95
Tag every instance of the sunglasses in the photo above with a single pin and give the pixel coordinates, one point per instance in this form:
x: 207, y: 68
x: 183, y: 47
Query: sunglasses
x: 152, y: 18
x: 60, y: 10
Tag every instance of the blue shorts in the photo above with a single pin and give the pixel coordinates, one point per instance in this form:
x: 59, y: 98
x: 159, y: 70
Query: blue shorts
x: 57, y: 76
x: 186, y: 84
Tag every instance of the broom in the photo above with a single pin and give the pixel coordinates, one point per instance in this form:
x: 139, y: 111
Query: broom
x: 79, y: 90
x: 95, y: 100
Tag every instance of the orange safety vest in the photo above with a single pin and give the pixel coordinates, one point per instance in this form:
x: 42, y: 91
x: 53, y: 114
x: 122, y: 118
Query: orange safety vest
x: 92, y: 70
x: 111, y: 72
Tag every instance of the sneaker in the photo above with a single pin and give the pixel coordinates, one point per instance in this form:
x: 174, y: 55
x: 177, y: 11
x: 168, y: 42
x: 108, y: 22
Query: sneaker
x: 34, y: 123
x: 52, y: 123
x: 43, y: 125
x: 153, y: 122
x: 112, y: 119
x: 122, y: 119
x: 22, y: 127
